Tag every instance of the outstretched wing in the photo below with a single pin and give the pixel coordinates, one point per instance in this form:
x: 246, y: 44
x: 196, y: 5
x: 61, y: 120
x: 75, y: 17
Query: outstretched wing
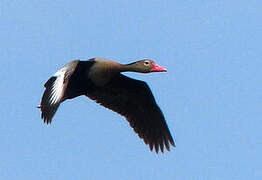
x: 55, y: 90
x: 134, y: 100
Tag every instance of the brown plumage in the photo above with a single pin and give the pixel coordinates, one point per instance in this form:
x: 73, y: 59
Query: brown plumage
x: 101, y: 80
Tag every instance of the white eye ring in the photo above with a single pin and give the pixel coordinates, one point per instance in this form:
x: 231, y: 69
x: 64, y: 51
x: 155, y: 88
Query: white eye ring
x: 146, y: 63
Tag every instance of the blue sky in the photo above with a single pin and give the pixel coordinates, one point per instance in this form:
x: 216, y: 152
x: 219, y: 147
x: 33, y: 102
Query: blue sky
x: 211, y: 95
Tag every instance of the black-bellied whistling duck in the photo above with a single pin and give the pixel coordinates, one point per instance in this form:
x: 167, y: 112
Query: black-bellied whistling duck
x: 101, y: 80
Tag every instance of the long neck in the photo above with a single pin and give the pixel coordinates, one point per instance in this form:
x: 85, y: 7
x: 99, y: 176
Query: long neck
x: 130, y: 67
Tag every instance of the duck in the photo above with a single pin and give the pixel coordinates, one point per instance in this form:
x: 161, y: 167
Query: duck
x: 101, y: 80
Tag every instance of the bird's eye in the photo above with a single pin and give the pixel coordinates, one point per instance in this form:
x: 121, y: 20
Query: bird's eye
x: 146, y: 63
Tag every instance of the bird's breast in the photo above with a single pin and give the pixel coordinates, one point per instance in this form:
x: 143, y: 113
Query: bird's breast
x: 100, y: 76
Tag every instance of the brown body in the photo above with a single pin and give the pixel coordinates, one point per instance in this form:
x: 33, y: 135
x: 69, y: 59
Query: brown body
x: 101, y: 80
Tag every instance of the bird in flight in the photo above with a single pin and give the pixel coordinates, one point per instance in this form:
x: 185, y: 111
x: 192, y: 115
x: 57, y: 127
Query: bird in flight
x: 101, y: 80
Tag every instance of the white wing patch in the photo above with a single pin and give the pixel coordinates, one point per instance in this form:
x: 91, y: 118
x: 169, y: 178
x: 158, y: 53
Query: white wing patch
x: 57, y: 87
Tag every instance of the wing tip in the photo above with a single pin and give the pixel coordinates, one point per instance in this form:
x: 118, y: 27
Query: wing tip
x: 162, y: 145
x: 47, y: 121
x: 47, y: 117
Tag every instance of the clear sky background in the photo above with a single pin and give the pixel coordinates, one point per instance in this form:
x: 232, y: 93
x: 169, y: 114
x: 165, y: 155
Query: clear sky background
x: 211, y: 95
